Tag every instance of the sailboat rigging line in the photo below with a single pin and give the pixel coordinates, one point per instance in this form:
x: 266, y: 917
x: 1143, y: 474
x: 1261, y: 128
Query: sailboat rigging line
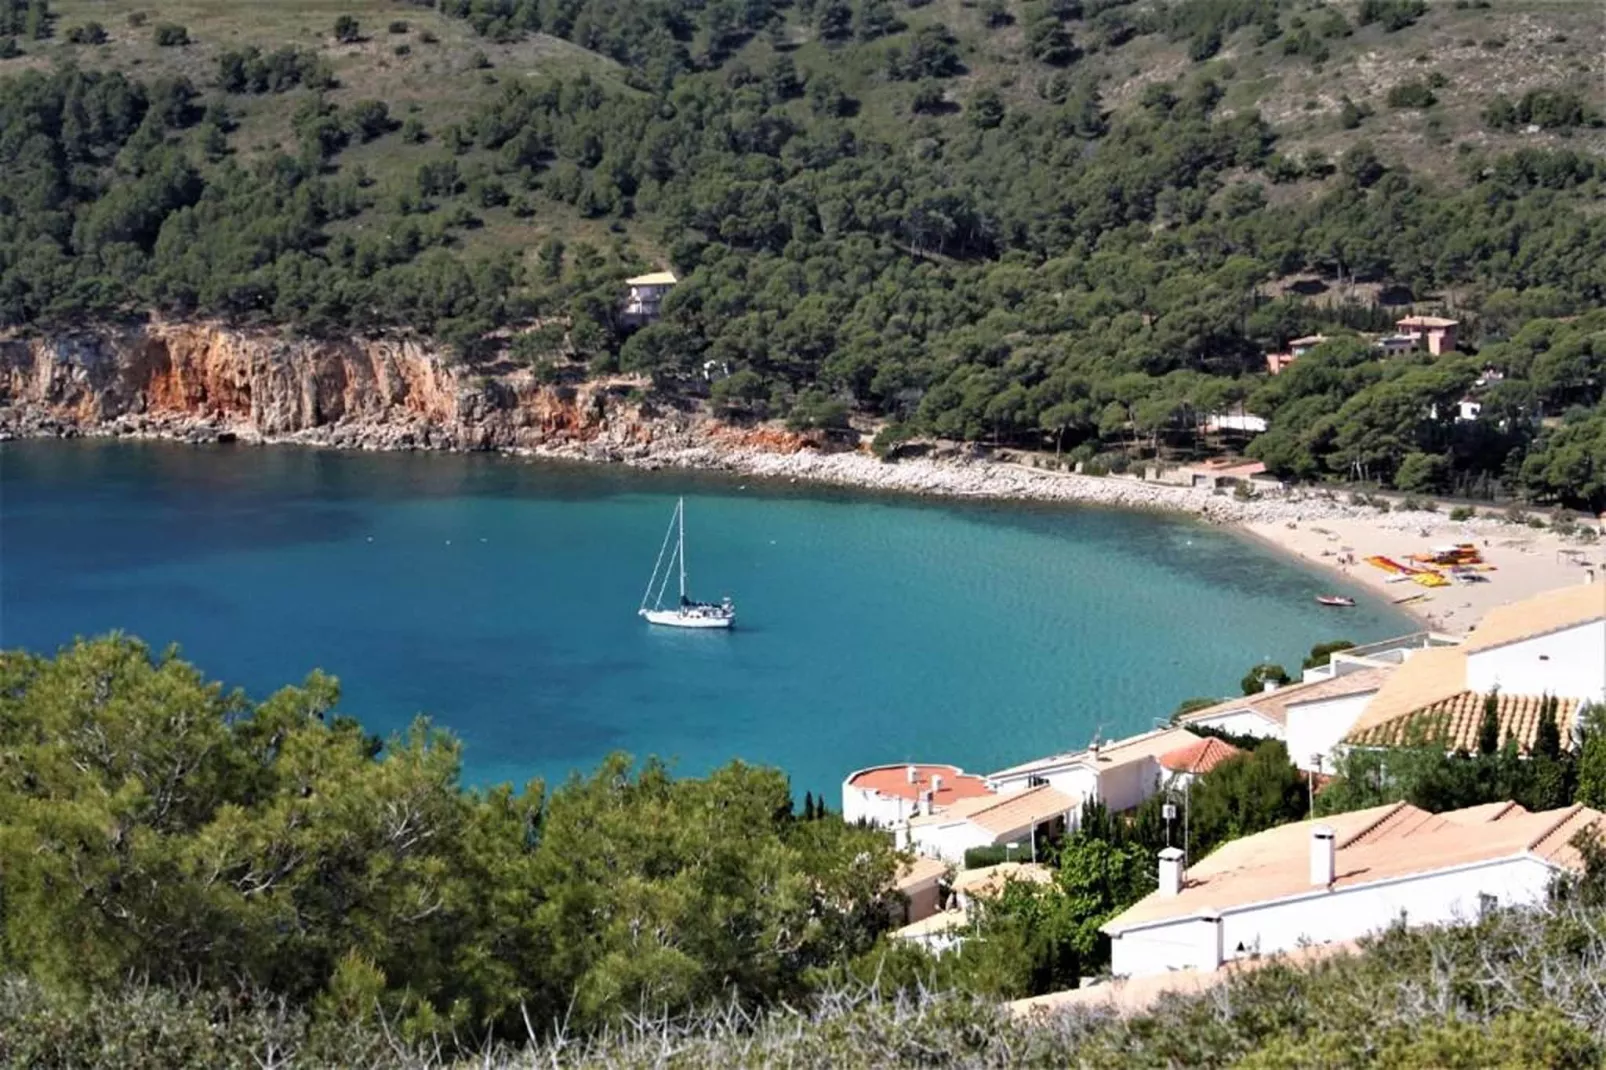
x: 658, y: 602
x: 647, y: 594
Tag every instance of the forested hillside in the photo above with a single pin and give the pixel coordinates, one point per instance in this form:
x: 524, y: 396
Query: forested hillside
x: 1070, y: 225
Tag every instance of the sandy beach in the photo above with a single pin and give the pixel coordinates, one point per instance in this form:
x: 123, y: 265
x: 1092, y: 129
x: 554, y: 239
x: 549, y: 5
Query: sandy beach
x: 1526, y: 561
x: 1322, y: 529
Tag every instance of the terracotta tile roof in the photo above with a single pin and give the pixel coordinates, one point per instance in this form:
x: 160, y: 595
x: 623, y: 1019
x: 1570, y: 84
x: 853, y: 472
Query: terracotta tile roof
x: 919, y: 871
x: 1273, y: 705
x: 1198, y: 757
x: 1553, y: 611
x: 893, y: 781
x: 1371, y: 845
x: 1004, y: 814
x: 1428, y: 676
x: 1454, y: 722
x: 1110, y: 755
x: 990, y: 880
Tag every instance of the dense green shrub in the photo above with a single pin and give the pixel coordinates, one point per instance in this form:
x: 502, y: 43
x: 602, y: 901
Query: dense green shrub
x: 87, y: 33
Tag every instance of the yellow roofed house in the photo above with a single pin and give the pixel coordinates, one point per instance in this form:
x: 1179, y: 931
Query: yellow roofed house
x: 644, y: 300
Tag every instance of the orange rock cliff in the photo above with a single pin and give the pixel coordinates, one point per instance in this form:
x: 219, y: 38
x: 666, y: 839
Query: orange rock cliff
x: 205, y: 380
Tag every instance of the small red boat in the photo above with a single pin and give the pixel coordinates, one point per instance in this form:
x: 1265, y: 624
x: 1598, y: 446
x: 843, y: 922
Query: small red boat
x: 1334, y: 600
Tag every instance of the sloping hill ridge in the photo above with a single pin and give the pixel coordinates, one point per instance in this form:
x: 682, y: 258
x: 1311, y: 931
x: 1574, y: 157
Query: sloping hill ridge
x: 1071, y: 224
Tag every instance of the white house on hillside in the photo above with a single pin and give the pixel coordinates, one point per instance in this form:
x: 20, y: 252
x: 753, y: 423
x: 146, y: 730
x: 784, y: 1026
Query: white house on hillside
x: 1552, y: 646
x: 1120, y: 774
x: 1341, y: 878
x: 1311, y: 717
x: 1553, y: 643
x: 644, y: 299
x: 1383, y: 654
x: 990, y: 821
x: 889, y: 795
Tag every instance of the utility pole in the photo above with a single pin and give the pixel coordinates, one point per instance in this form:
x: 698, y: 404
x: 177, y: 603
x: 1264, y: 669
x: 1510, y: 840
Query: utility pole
x: 1310, y: 783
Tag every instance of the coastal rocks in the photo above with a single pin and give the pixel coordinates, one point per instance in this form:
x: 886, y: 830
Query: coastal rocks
x: 197, y: 381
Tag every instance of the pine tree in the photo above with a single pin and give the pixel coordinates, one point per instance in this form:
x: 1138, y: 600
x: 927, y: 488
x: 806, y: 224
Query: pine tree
x: 1489, y: 727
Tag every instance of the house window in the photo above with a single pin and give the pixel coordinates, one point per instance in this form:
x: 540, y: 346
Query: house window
x: 1487, y: 903
x: 1036, y: 782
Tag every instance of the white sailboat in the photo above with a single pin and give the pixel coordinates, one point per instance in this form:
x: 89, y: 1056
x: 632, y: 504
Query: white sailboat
x: 686, y: 613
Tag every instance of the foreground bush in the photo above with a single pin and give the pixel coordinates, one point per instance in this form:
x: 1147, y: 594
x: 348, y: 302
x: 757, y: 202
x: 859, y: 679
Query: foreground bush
x: 1521, y: 989
x: 154, y: 825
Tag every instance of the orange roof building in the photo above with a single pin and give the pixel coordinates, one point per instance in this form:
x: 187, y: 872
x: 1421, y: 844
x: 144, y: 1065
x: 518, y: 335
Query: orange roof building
x: 1198, y: 758
x: 889, y: 795
x: 1341, y: 877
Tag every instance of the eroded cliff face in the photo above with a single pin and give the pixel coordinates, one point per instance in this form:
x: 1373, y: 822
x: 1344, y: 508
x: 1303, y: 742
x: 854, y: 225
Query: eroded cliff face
x: 205, y: 380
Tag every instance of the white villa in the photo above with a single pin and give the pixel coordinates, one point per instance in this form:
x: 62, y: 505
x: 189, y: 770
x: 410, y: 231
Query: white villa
x: 1310, y: 716
x: 1120, y: 775
x: 889, y: 795
x: 646, y: 295
x: 1552, y: 645
x: 1320, y: 882
x: 990, y: 821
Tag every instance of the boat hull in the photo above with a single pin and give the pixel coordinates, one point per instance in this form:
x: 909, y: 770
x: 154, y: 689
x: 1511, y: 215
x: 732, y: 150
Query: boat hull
x: 672, y: 618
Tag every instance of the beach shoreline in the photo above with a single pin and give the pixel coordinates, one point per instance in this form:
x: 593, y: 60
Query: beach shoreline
x: 1312, y: 526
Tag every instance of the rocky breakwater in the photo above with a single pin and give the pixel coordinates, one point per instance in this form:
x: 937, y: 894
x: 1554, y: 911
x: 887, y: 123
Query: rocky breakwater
x: 207, y: 381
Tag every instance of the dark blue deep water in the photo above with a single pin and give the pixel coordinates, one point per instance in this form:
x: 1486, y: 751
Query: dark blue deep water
x: 499, y: 597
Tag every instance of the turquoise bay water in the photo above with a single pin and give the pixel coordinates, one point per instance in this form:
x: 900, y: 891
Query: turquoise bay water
x: 499, y: 597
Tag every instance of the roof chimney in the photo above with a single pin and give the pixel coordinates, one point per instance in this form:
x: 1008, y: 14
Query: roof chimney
x: 912, y: 774
x: 1171, y: 871
x: 1093, y: 749
x: 926, y: 799
x: 1322, y: 864
x: 1268, y: 686
x: 936, y: 784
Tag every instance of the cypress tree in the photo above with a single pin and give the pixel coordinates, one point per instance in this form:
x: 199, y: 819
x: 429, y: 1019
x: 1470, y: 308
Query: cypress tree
x: 808, y: 806
x: 1547, y: 737
x: 1489, y: 727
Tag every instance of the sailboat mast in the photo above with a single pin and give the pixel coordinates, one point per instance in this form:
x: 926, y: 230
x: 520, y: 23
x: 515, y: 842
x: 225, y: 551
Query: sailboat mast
x: 681, y: 512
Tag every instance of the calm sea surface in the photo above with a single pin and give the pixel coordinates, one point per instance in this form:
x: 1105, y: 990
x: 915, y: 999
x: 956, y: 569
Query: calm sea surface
x: 499, y: 597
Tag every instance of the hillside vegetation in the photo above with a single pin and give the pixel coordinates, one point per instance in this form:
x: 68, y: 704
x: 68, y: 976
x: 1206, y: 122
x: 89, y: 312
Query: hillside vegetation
x: 1069, y: 225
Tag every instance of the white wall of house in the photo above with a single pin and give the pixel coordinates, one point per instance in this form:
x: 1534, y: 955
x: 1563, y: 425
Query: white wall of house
x: 1185, y: 944
x: 1125, y: 786
x: 949, y: 841
x: 1244, y: 722
x: 886, y: 811
x: 1436, y: 898
x: 1424, y: 899
x: 1314, y: 728
x: 1569, y: 663
x: 1073, y: 778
